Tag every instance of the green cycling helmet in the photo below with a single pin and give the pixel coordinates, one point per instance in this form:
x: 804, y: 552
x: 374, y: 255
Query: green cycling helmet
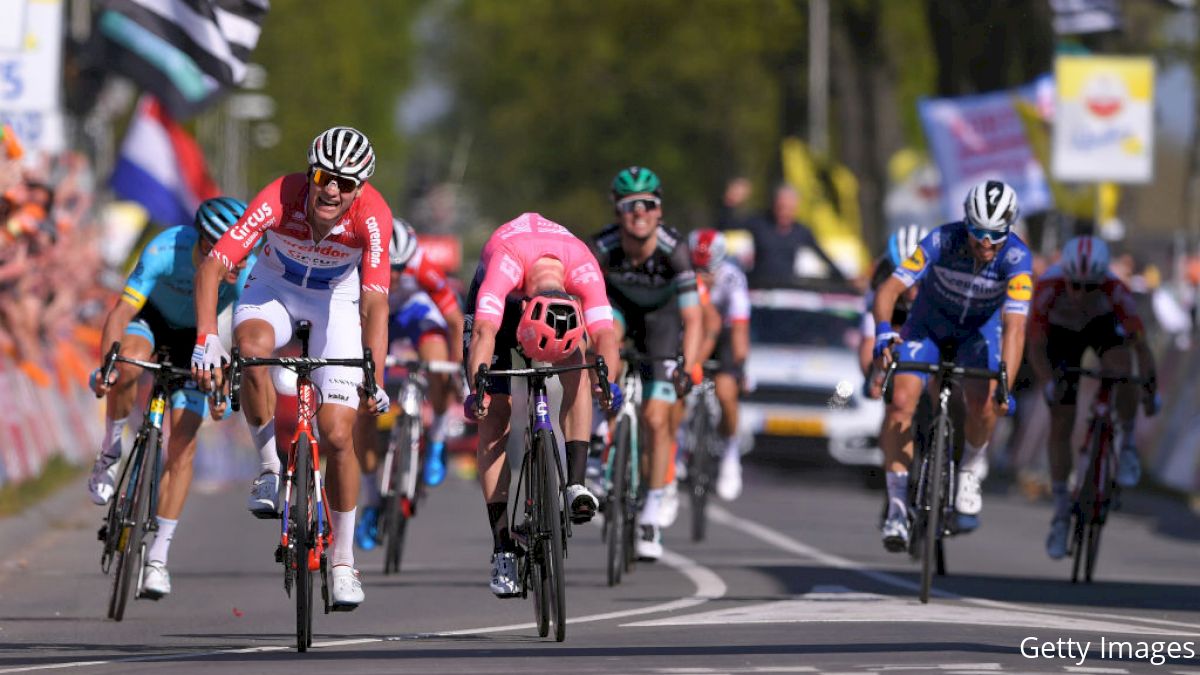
x: 635, y: 180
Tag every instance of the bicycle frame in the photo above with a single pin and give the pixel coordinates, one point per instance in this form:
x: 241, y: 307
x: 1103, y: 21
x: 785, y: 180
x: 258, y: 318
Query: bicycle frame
x: 631, y: 386
x: 306, y: 410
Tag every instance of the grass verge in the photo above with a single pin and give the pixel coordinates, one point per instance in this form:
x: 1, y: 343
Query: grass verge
x: 15, y: 498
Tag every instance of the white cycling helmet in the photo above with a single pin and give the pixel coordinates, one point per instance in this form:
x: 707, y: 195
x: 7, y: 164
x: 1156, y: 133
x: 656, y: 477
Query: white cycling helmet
x: 1085, y: 260
x: 343, y: 151
x: 404, y: 243
x: 990, y: 210
x: 708, y: 249
x: 903, y: 243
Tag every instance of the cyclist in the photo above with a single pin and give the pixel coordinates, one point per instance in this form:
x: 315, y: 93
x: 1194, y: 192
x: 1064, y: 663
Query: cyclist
x: 652, y: 288
x: 523, y: 295
x: 1079, y: 303
x: 901, y: 245
x: 731, y: 298
x: 976, y: 283
x: 156, y: 309
x: 423, y: 309
x: 319, y: 228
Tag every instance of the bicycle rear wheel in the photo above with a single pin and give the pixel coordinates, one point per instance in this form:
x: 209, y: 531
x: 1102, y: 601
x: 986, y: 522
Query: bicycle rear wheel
x: 302, y: 536
x: 552, y: 527
x: 700, y: 467
x: 614, y: 511
x: 934, y: 477
x: 534, y: 574
x: 133, y: 529
x: 399, y: 507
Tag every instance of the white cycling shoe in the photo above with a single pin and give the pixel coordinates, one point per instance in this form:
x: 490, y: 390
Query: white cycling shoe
x: 729, y: 477
x: 156, y: 581
x: 103, y: 481
x: 649, y: 545
x: 264, y: 495
x: 668, y: 507
x: 582, y: 504
x: 505, y: 582
x: 969, y: 501
x: 1056, y: 541
x: 347, y: 591
x: 895, y: 532
x: 1129, y: 468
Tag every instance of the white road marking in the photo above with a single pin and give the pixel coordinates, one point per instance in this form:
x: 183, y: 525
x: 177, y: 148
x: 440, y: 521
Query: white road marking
x: 1091, y: 669
x: 709, y: 586
x: 782, y: 541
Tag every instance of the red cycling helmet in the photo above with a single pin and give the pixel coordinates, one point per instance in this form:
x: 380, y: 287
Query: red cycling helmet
x: 550, y: 329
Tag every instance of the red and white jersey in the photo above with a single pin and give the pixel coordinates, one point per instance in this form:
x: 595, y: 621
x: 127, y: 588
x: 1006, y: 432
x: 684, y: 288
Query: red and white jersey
x: 279, y: 213
x: 1054, y: 304
x: 511, y: 251
x: 730, y: 293
x: 420, y: 274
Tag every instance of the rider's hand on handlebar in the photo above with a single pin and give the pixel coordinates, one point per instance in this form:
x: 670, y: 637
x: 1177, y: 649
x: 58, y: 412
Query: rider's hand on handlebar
x: 377, y: 403
x: 209, y: 359
x: 615, y: 396
x: 101, y: 388
x: 885, y: 337
x: 682, y: 380
x: 470, y: 405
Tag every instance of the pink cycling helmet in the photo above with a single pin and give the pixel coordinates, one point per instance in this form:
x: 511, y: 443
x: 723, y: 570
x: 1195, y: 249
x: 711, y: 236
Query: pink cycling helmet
x: 550, y: 329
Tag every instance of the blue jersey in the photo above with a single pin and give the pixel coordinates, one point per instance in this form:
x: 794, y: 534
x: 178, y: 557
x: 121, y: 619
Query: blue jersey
x: 165, y: 273
x: 958, y: 293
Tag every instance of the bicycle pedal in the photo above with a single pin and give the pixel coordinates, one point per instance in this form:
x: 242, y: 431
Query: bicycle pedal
x: 279, y: 553
x: 343, y: 608
x: 267, y: 515
x: 102, y: 533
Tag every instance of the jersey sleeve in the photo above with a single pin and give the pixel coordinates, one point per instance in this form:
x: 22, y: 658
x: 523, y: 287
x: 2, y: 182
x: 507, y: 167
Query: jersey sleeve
x: 1044, y: 294
x: 153, y: 263
x: 432, y: 281
x: 916, y: 266
x: 1124, y: 307
x: 263, y: 213
x: 504, y: 273
x: 376, y: 224
x: 684, y: 276
x: 739, y: 298
x: 1019, y: 293
x: 585, y: 282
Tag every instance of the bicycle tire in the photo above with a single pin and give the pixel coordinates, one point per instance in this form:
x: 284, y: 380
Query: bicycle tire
x: 129, y: 566
x: 631, y: 507
x: 700, y: 469
x: 1085, y: 505
x: 933, y: 523
x: 535, y: 556
x: 614, y: 512
x: 399, y: 508
x: 552, y: 522
x: 301, y: 536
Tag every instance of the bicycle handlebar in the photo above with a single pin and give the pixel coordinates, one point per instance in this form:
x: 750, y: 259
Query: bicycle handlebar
x: 482, y: 375
x: 113, y: 357
x: 436, y: 367
x: 948, y: 368
x: 1107, y: 376
x: 300, y: 365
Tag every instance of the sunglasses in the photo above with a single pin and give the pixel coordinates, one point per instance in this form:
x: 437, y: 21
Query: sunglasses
x: 990, y: 236
x: 1085, y: 287
x: 321, y: 178
x: 648, y: 203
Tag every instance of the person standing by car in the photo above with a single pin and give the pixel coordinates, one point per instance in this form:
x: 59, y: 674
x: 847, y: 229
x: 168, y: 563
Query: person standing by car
x: 779, y: 238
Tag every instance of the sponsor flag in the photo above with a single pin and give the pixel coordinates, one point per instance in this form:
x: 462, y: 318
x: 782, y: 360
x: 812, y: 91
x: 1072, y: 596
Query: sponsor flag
x: 161, y: 167
x: 185, y: 52
x: 981, y: 137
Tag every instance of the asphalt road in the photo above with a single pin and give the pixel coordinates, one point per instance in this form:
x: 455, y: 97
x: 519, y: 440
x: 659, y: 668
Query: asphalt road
x: 792, y: 580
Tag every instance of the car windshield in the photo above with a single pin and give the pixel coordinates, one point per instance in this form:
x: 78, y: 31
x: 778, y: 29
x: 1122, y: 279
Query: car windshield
x: 790, y: 326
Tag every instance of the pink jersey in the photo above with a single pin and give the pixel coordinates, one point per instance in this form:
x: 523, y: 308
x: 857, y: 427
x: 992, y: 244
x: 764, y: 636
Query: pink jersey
x: 279, y: 212
x: 511, y: 252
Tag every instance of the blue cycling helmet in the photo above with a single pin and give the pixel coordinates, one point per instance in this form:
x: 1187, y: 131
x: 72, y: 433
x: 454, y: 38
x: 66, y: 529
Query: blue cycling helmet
x: 903, y: 243
x: 217, y: 215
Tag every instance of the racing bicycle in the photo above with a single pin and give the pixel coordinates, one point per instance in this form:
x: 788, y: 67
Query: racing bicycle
x: 306, y: 531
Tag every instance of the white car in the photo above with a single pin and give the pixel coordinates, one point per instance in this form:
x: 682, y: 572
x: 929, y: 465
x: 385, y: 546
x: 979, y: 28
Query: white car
x: 803, y: 375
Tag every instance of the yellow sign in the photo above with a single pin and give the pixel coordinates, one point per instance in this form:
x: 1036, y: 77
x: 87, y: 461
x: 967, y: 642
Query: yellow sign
x: 1104, y: 119
x: 794, y: 426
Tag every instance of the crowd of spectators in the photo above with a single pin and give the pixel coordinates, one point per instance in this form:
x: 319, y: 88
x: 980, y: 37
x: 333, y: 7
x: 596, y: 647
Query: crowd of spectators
x: 51, y: 301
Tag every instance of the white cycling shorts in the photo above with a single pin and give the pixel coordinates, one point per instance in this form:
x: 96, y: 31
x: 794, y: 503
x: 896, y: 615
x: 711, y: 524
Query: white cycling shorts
x: 336, y: 330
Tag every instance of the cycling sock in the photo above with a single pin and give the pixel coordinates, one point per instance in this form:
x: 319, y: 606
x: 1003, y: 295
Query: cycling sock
x: 733, y: 449
x: 162, y: 541
x: 114, y: 430
x: 650, y: 509
x: 1062, y: 499
x: 1127, y: 427
x: 343, y: 546
x: 437, y: 429
x: 897, y: 492
x: 368, y: 494
x: 576, y: 461
x: 975, y: 460
x: 264, y: 442
x: 498, y: 519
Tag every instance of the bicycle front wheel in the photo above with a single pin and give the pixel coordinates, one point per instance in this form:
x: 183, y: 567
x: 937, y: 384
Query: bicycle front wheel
x: 700, y: 464
x: 937, y: 472
x: 399, y: 507
x: 1087, y: 507
x: 133, y: 527
x: 534, y: 573
x: 302, y: 538
x: 552, y: 528
x: 614, y: 510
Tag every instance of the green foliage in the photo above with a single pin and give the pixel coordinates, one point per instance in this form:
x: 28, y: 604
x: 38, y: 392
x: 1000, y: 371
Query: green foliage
x: 335, y: 63
x: 561, y: 94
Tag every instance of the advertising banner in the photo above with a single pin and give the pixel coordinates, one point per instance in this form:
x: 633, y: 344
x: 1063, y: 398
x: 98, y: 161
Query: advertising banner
x: 1104, y: 121
x: 31, y: 71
